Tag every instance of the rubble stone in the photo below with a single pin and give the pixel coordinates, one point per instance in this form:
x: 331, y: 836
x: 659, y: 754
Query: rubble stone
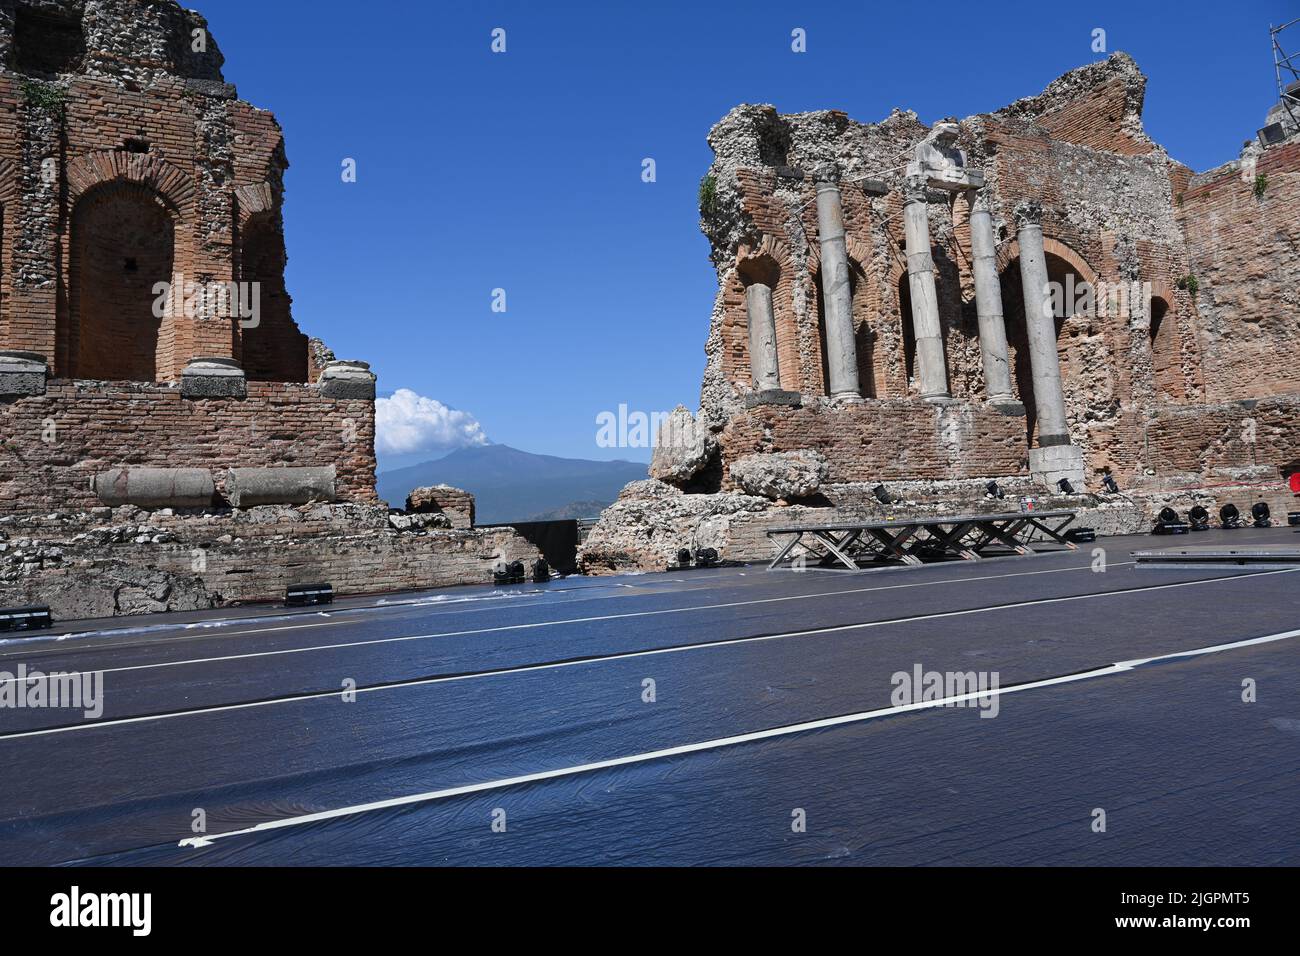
x: 683, y: 449
x: 782, y: 475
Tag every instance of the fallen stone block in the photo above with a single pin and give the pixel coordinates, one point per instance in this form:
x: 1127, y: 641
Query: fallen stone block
x: 247, y: 487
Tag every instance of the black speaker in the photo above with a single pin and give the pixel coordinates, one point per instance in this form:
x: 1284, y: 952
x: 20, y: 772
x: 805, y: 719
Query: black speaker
x: 308, y: 595
x: 35, y: 618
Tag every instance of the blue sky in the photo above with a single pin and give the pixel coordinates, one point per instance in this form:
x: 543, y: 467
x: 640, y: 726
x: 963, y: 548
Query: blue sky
x: 522, y: 171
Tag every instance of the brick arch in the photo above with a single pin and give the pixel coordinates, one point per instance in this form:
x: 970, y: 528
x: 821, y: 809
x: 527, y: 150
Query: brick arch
x: 1163, y: 339
x: 8, y: 181
x: 858, y: 251
x: 1010, y: 251
x: 8, y: 202
x: 1085, y: 382
x: 122, y: 241
x: 274, y: 350
x: 110, y: 165
x: 254, y: 199
x: 866, y: 307
x: 94, y: 177
x: 759, y: 258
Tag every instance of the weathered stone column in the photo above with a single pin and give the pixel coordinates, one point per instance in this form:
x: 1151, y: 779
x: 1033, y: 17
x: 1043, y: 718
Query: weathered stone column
x: 988, y: 302
x: 1040, y: 326
x: 1055, y: 457
x: 931, y: 367
x: 763, y: 359
x: 842, y: 352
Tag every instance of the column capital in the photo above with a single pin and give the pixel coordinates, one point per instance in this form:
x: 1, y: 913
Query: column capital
x: 1029, y: 212
x: 915, y: 188
x: 826, y: 174
x: 980, y: 201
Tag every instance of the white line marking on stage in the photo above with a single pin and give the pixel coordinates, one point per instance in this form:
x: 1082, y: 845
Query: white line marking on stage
x: 577, y: 620
x: 716, y: 744
x: 555, y: 665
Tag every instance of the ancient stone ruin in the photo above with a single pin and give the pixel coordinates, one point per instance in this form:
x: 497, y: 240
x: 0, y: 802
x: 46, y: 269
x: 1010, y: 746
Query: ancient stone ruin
x: 1030, y: 295
x: 169, y: 437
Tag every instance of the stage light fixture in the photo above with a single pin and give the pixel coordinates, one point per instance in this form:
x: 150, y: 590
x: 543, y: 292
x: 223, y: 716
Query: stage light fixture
x: 541, y: 571
x: 1199, y: 518
x: 1230, y: 516
x: 508, y: 572
x: 1065, y: 487
x: 994, y: 491
x: 1260, y: 512
x: 684, y: 557
x: 1111, y: 484
x: 707, y: 558
x: 25, y: 618
x: 1168, y: 522
x: 882, y: 495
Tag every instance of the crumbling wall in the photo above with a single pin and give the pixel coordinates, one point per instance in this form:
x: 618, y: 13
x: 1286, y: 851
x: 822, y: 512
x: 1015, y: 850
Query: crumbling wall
x: 1242, y: 222
x: 131, y: 561
x: 1165, y: 381
x: 1107, y: 191
x: 144, y: 104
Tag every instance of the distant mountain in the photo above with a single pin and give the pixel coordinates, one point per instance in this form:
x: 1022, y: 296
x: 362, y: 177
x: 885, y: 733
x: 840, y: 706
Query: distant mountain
x: 513, y: 485
x: 575, y: 509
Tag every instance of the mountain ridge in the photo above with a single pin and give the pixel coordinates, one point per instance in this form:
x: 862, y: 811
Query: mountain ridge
x: 513, y: 485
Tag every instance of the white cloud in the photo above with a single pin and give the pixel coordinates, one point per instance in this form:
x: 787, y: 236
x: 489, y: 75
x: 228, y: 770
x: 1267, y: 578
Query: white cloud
x: 409, y: 424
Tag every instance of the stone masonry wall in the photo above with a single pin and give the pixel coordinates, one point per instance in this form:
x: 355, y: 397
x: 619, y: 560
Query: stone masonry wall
x: 132, y: 561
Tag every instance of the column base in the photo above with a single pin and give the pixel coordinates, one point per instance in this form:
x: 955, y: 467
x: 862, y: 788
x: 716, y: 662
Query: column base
x: 348, y: 380
x: 22, y: 373
x: 1049, y: 465
x: 942, y: 398
x: 848, y: 398
x: 213, y: 378
x: 1007, y: 406
x: 773, y: 396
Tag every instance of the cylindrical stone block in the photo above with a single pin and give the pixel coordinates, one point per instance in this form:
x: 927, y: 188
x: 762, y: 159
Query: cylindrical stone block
x: 988, y: 305
x: 837, y: 295
x: 247, y: 487
x: 932, y: 369
x: 762, y: 337
x: 1040, y: 326
x: 155, y: 487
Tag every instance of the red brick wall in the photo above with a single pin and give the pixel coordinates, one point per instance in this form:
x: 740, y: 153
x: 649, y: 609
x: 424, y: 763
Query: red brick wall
x: 887, y: 439
x: 200, y: 185
x: 93, y: 426
x: 1245, y: 254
